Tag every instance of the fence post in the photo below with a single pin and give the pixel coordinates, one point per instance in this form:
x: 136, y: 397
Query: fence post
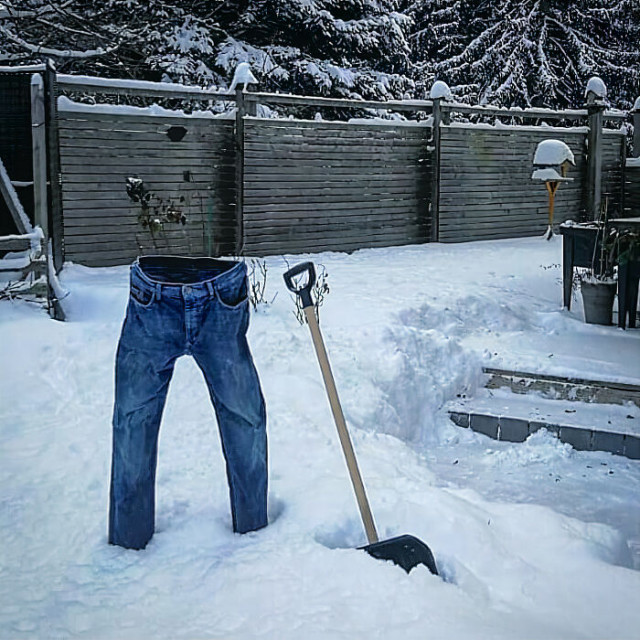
x: 595, y: 110
x: 635, y: 113
x: 53, y: 158
x: 241, y: 111
x: 435, y: 178
x: 39, y: 155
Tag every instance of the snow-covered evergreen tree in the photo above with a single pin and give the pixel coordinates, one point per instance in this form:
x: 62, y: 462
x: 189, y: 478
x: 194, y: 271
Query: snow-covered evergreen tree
x: 439, y: 32
x: 355, y: 48
x: 521, y: 52
x: 535, y: 52
x: 112, y: 37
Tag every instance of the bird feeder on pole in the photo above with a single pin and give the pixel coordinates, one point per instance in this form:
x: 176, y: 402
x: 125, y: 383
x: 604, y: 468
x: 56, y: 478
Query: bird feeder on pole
x: 550, y: 165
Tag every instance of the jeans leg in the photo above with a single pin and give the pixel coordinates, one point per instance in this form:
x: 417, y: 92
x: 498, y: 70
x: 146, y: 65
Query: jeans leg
x: 142, y: 382
x: 235, y: 392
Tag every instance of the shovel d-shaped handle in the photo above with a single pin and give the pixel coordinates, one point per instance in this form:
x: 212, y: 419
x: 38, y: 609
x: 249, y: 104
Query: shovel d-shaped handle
x: 304, y: 290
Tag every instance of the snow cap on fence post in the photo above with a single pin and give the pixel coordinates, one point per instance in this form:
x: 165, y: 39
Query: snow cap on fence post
x: 440, y: 89
x: 596, y: 91
x: 243, y: 76
x: 440, y: 92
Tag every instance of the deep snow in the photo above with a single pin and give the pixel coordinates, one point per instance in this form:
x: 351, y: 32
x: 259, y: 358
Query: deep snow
x: 533, y: 540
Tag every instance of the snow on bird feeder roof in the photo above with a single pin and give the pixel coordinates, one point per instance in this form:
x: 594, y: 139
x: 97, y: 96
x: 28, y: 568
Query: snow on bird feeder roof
x: 440, y: 89
x: 596, y: 86
x: 552, y: 152
x: 551, y: 160
x: 243, y: 76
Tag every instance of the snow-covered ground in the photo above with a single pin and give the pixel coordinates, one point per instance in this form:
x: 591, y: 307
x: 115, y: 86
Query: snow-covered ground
x: 532, y: 540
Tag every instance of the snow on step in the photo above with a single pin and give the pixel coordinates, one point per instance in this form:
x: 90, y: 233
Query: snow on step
x: 504, y: 415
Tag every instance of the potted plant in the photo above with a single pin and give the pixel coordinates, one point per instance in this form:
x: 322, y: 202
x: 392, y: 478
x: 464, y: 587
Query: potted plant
x: 627, y: 246
x: 597, y: 283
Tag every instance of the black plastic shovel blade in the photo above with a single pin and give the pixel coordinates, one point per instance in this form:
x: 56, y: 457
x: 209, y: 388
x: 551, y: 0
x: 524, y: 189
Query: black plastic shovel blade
x: 406, y: 551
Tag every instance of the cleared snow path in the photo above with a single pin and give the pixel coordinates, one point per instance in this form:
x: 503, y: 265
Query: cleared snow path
x: 532, y: 539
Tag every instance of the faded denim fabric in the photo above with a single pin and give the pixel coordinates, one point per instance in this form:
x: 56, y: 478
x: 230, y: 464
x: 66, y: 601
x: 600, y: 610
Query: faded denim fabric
x: 185, y: 306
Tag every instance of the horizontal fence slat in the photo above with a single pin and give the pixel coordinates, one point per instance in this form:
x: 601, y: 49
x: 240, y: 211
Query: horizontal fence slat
x: 323, y: 208
x: 167, y: 163
x: 322, y: 234
x: 80, y: 182
x: 311, y: 245
x: 118, y: 117
x: 98, y: 153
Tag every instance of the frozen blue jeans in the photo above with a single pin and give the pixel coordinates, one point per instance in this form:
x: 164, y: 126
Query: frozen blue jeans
x: 179, y: 306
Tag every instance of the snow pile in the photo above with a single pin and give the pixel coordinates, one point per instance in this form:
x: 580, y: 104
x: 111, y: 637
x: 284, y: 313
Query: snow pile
x: 541, y: 447
x: 531, y: 539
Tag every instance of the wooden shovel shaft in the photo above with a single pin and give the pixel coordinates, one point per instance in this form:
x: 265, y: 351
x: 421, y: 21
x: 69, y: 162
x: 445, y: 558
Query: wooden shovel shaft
x: 341, y: 425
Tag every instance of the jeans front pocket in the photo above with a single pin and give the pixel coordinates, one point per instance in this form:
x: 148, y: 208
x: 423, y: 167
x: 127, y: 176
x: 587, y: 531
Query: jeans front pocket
x: 233, y: 296
x: 142, y: 297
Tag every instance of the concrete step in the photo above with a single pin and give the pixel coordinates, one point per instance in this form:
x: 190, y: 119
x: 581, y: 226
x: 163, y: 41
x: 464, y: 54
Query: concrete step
x: 558, y: 387
x: 504, y: 415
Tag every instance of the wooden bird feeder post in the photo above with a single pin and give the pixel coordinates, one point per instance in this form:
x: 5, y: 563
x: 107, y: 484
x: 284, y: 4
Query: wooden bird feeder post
x: 551, y: 162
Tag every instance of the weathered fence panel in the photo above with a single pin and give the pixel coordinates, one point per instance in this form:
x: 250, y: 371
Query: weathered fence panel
x: 314, y: 186
x: 186, y: 163
x: 486, y: 190
x: 613, y: 159
x: 632, y: 188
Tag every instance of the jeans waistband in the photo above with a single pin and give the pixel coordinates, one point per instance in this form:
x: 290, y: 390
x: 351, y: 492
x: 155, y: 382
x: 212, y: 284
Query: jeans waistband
x: 175, y: 276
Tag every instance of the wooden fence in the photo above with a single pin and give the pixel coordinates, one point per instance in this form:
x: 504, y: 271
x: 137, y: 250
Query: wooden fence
x: 255, y: 186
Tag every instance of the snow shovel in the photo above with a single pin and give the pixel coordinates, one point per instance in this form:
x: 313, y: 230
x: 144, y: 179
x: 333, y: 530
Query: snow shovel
x: 406, y: 550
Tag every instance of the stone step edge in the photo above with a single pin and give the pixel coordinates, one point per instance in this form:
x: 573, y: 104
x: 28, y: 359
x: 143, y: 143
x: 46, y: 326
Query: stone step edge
x: 566, y: 388
x: 519, y: 429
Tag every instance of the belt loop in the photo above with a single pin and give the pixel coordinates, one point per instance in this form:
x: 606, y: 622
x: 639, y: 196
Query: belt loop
x: 158, y: 292
x: 210, y: 288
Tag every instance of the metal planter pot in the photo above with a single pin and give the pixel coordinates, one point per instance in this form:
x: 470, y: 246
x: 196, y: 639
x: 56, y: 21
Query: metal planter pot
x: 597, y: 301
